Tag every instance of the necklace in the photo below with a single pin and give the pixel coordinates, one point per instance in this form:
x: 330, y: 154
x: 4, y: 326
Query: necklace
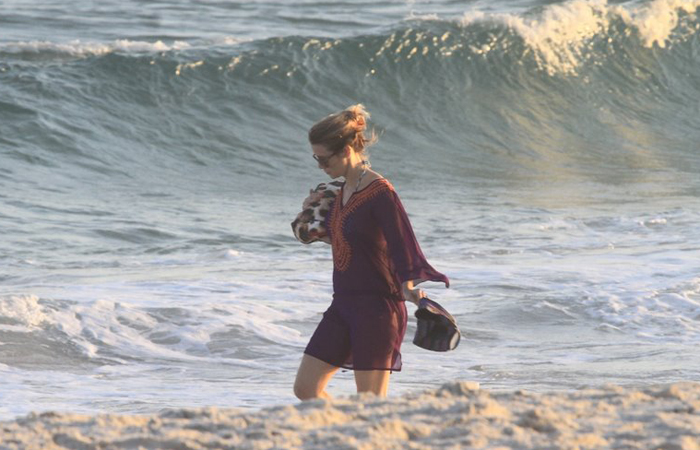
x: 359, y: 181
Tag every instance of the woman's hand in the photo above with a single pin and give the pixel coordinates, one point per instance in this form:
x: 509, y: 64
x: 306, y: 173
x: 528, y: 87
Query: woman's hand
x: 410, y: 293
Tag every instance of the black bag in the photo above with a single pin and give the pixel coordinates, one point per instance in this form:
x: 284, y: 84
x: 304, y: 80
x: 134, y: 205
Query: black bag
x: 437, y: 329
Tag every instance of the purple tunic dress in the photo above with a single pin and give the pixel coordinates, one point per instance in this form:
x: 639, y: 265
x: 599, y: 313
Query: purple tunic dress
x: 374, y: 252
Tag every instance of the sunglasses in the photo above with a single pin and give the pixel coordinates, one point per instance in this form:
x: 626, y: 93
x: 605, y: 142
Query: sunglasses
x: 323, y: 160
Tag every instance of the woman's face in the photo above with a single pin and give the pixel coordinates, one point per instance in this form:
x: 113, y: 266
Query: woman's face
x: 331, y: 163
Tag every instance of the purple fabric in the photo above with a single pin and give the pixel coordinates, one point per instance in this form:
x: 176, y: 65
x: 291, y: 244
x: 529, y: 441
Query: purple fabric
x: 374, y: 252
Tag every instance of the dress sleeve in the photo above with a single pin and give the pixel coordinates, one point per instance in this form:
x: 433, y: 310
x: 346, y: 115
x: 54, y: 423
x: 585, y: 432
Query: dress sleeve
x: 405, y: 254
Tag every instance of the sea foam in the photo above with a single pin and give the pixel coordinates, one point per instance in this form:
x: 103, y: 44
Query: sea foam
x: 560, y: 36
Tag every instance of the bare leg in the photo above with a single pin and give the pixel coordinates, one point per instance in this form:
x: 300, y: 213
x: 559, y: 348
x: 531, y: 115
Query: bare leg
x: 312, y: 378
x: 376, y: 381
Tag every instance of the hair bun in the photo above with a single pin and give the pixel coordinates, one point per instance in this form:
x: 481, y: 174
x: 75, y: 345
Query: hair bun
x: 360, y: 123
x: 342, y: 129
x: 359, y: 116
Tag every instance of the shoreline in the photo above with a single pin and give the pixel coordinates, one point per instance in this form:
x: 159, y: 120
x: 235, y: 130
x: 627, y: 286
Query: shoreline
x: 457, y: 415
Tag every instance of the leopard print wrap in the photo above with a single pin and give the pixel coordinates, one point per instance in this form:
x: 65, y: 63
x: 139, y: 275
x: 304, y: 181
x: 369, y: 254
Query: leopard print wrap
x: 309, y: 225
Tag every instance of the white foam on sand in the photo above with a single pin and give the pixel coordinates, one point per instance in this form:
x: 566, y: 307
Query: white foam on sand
x: 457, y: 415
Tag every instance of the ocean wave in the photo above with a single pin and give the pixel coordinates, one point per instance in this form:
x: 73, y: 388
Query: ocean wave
x: 497, y: 93
x: 556, y: 39
x: 560, y: 36
x: 658, y: 314
x: 78, y: 48
x: 107, y: 331
x: 83, y: 49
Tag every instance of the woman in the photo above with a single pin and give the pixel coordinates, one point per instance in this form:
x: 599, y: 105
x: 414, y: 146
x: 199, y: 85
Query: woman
x: 376, y: 265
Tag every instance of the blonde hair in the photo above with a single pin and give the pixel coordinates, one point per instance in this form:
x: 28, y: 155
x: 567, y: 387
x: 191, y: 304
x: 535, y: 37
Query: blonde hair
x: 345, y: 128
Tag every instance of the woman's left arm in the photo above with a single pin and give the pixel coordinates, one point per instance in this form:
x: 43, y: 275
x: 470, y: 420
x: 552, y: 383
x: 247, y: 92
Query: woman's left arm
x: 405, y: 255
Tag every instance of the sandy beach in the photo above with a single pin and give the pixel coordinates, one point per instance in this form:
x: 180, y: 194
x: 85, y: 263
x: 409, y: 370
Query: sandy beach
x: 457, y: 415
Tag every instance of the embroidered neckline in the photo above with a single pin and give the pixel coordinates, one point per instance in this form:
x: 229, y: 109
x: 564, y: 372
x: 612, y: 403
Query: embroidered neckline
x: 357, y: 193
x: 342, y: 252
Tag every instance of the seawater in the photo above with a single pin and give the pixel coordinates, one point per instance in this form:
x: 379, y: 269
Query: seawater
x: 154, y: 155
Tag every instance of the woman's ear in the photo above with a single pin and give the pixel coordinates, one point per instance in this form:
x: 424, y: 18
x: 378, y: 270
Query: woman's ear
x: 347, y: 151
